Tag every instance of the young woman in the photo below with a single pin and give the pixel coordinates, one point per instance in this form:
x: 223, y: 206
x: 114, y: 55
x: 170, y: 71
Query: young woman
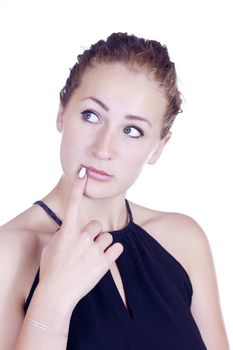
x: 84, y: 268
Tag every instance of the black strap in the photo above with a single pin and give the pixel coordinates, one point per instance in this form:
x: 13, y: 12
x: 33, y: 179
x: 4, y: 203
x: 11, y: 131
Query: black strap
x: 49, y: 212
x: 59, y: 222
x: 129, y: 211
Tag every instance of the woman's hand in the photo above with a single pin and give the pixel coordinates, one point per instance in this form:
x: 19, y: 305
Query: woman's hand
x: 75, y: 259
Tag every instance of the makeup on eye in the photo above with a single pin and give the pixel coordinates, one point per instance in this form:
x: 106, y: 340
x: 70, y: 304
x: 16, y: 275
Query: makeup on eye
x: 88, y: 111
x: 128, y: 116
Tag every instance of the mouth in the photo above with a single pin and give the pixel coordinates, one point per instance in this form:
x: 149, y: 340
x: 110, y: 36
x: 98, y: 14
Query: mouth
x: 97, y: 174
x: 102, y: 172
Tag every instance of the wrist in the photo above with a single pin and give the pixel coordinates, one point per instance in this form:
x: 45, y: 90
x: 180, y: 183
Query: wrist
x: 47, y: 328
x: 45, y: 300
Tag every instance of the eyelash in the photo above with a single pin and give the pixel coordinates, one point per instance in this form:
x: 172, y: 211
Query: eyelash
x: 130, y: 126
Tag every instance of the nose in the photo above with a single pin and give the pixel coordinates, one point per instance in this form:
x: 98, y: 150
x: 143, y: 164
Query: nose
x: 103, y: 144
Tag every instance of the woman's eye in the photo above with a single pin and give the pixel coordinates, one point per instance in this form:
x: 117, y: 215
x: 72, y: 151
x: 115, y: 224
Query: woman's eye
x: 86, y: 115
x: 137, y: 134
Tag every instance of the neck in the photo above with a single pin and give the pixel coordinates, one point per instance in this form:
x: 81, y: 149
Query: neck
x: 110, y: 211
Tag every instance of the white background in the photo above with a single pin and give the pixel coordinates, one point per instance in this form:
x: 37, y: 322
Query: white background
x: 39, y: 43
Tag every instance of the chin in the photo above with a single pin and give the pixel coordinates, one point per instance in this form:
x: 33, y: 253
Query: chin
x: 96, y: 190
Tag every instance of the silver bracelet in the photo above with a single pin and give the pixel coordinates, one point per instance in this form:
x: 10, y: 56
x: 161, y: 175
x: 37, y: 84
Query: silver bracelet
x: 47, y: 328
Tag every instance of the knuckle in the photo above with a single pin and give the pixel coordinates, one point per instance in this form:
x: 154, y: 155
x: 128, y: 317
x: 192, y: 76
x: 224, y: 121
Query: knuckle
x: 108, y: 237
x: 93, y: 225
x: 86, y: 238
x: 97, y: 225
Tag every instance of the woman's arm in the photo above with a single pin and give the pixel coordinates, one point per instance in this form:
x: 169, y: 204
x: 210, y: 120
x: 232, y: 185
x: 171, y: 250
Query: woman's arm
x: 16, y: 333
x: 46, y: 310
x: 205, y: 306
x: 71, y: 264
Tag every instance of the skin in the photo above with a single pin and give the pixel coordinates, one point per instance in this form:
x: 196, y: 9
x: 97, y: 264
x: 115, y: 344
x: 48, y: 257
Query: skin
x: 104, y: 141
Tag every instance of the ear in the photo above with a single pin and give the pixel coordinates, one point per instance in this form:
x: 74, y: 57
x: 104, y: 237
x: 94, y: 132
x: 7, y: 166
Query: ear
x: 156, y: 154
x: 60, y: 118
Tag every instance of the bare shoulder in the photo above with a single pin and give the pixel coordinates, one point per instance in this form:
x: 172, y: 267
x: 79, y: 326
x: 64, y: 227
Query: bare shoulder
x: 178, y: 233
x: 20, y: 251
x: 185, y: 238
x: 23, y: 237
x: 18, y: 241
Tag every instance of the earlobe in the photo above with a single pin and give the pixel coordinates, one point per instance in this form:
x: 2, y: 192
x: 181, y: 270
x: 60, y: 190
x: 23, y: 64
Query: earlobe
x: 154, y: 157
x: 156, y: 154
x: 59, y: 120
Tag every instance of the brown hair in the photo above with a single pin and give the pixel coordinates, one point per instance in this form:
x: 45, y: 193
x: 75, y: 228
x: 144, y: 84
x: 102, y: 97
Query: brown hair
x: 137, y: 54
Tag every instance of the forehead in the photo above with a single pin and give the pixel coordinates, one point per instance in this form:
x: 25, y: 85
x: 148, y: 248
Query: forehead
x: 121, y: 88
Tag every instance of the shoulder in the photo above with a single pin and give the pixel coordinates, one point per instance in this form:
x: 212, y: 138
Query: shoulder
x: 21, y: 235
x: 20, y: 245
x: 17, y: 239
x: 180, y: 227
x: 21, y: 242
x: 178, y: 233
x: 20, y: 251
x: 184, y: 238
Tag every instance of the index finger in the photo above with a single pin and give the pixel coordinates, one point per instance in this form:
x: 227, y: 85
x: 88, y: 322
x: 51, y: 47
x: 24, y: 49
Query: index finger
x: 73, y: 207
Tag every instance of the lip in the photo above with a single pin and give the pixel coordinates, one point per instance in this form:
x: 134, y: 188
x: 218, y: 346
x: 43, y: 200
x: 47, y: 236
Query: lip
x: 98, y: 175
x: 97, y: 171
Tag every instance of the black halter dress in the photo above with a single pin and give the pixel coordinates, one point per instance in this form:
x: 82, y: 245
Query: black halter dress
x: 158, y: 293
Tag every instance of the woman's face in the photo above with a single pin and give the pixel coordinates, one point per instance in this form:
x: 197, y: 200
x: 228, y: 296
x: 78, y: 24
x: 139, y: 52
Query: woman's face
x: 101, y: 129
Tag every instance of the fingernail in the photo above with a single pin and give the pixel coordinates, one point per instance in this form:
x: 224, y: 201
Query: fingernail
x: 82, y: 172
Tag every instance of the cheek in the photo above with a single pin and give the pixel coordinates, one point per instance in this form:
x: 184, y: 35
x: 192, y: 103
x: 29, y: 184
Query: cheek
x: 135, y: 156
x: 70, y: 149
x: 133, y: 161
x: 72, y: 141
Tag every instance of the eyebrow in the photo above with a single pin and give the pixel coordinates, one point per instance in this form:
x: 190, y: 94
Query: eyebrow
x: 128, y: 116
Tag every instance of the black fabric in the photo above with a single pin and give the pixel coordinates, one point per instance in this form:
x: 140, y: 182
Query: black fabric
x: 158, y: 292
